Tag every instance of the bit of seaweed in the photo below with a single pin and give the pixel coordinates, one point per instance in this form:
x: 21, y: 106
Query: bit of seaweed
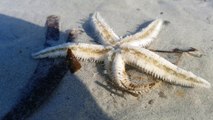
x: 191, y: 51
x: 176, y: 50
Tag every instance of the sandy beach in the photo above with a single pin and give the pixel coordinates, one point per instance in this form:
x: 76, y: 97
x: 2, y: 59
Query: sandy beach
x: 85, y: 95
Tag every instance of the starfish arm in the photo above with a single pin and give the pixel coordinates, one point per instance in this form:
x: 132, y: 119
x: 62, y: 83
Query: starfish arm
x: 108, y: 64
x: 115, y: 67
x: 104, y: 32
x: 118, y: 70
x: 82, y: 51
x: 146, y: 36
x: 121, y: 78
x: 159, y: 67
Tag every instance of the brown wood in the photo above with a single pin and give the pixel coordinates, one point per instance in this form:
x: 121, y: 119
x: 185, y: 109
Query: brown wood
x: 45, y: 79
x: 72, y: 62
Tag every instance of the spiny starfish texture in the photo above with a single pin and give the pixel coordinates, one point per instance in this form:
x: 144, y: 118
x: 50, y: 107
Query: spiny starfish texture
x: 117, y: 51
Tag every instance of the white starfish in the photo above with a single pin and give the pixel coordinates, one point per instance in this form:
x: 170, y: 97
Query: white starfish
x: 116, y: 51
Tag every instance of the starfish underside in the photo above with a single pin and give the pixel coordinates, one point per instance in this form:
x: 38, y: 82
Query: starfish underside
x: 116, y: 51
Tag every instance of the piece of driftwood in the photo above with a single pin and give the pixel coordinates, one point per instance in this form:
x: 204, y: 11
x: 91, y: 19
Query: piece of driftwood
x: 73, y: 34
x: 45, y: 79
x: 72, y: 62
x: 52, y: 32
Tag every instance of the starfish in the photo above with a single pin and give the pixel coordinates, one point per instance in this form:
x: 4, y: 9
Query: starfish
x: 117, y: 51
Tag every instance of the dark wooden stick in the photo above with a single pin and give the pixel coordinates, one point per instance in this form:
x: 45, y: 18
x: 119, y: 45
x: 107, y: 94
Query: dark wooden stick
x: 44, y: 80
x: 72, y: 62
x: 52, y: 32
x: 73, y: 34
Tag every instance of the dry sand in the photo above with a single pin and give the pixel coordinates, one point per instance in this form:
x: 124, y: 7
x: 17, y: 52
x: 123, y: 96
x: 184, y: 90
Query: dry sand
x: 79, y: 96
